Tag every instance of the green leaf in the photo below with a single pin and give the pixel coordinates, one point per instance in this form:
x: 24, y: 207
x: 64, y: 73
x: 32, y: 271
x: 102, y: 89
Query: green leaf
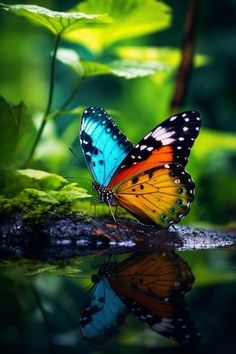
x: 68, y: 194
x: 128, y: 69
x: 55, y: 21
x: 164, y: 55
x: 71, y: 193
x: 133, y: 69
x: 14, y: 124
x: 34, y: 195
x: 42, y: 180
x: 131, y: 18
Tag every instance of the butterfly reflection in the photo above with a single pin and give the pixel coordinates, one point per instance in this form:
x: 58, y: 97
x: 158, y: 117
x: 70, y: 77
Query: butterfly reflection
x: 152, y: 287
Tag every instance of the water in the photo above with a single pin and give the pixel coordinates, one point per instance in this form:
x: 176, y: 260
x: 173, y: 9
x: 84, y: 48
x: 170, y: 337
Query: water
x: 42, y: 313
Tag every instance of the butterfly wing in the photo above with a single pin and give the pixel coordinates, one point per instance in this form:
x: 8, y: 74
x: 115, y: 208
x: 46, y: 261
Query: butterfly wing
x: 170, y: 319
x: 104, y: 146
x: 161, y: 273
x: 168, y: 143
x: 153, y: 288
x: 161, y: 196
x: 103, y: 314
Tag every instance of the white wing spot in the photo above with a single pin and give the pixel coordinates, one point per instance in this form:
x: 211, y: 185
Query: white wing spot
x: 187, y: 119
x: 173, y: 118
x: 143, y: 147
x: 197, y: 128
x: 185, y: 129
x: 150, y: 148
x: 179, y: 147
x: 181, y: 138
x: 167, y: 141
x: 198, y: 118
x: 167, y: 166
x: 184, y: 115
x: 147, y: 136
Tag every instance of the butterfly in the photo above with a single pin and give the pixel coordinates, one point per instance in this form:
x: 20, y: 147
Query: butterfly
x: 147, y: 179
x: 152, y: 287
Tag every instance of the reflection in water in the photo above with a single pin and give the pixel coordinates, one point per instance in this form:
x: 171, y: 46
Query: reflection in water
x: 152, y: 287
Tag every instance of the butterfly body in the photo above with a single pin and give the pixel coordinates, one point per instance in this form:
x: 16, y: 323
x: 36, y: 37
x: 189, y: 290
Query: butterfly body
x: 147, y: 179
x: 105, y: 194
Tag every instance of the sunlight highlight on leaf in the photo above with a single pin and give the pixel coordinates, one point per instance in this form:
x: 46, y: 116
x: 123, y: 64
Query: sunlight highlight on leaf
x: 128, y: 69
x: 131, y: 18
x: 55, y: 21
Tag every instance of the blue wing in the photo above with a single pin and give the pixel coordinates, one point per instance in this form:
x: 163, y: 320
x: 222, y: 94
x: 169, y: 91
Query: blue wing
x: 103, y: 315
x: 103, y: 144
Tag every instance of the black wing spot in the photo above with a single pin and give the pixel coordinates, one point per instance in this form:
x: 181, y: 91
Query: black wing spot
x: 135, y: 180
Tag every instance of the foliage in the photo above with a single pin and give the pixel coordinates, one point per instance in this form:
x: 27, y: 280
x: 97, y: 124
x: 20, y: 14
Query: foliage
x: 105, y: 43
x: 33, y: 193
x: 104, y: 31
x: 55, y: 21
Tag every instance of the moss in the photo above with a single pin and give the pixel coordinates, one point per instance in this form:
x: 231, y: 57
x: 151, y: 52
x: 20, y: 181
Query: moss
x: 38, y: 193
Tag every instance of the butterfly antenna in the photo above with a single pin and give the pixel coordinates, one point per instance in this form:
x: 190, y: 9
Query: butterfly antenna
x: 75, y: 155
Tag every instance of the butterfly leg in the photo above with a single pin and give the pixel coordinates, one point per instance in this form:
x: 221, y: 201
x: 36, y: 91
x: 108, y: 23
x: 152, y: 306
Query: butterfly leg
x: 116, y: 210
x: 109, y: 204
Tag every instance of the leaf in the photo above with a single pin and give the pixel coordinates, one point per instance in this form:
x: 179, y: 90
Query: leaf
x: 71, y: 193
x: 43, y: 180
x: 34, y: 195
x: 55, y: 21
x: 128, y: 69
x: 133, y: 69
x: 164, y: 55
x: 14, y: 124
x: 131, y: 18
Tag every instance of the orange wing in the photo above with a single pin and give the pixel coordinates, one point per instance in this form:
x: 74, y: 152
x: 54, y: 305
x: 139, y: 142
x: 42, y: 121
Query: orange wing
x: 153, y: 288
x: 160, y: 196
x: 168, y: 143
x: 159, y: 274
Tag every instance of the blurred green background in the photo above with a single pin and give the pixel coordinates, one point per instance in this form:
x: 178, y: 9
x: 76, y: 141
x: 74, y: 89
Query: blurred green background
x: 25, y: 69
x: 137, y: 104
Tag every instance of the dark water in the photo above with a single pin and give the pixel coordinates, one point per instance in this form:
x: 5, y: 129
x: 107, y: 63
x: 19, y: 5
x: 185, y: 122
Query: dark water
x: 52, y: 313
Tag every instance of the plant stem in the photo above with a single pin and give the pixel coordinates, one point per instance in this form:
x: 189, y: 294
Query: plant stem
x: 186, y: 64
x: 50, y: 97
